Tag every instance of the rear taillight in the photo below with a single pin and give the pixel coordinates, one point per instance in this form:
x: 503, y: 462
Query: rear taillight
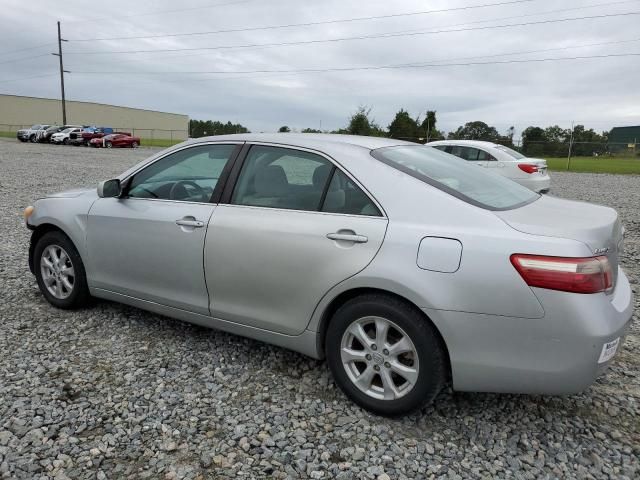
x: 577, y: 275
x: 525, y: 167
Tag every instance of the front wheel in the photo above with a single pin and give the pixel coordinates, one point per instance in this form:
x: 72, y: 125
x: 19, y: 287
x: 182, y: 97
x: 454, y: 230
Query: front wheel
x: 385, y: 355
x: 65, y: 141
x: 108, y: 144
x: 60, y: 272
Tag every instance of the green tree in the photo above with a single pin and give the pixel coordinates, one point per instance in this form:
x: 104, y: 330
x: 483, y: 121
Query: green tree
x: 403, y: 126
x: 361, y: 124
x: 475, y: 131
x: 311, y: 130
x: 201, y: 128
x: 284, y: 129
x: 533, y: 141
x: 428, y: 128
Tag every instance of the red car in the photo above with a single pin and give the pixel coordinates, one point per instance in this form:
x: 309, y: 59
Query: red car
x: 116, y: 140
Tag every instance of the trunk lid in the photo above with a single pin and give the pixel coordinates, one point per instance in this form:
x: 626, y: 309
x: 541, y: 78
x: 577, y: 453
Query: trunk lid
x: 594, y: 225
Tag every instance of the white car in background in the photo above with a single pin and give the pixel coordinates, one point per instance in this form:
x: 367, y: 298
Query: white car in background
x: 63, y: 136
x: 528, y: 172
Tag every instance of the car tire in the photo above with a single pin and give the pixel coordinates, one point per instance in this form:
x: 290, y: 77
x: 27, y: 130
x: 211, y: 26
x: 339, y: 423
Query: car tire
x: 55, y: 278
x: 65, y: 141
x: 32, y: 139
x: 134, y: 144
x: 391, y: 383
x: 108, y: 144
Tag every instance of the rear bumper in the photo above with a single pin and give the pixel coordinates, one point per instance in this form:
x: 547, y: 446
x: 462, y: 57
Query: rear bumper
x: 556, y: 354
x: 537, y: 183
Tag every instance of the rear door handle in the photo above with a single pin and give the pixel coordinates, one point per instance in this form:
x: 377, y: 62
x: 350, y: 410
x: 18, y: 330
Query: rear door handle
x: 190, y: 222
x: 348, y: 237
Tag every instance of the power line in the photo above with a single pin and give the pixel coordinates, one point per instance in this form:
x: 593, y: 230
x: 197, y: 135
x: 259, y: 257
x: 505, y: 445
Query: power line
x: 310, y: 24
x: 407, y: 65
x: 360, y: 37
x: 161, y: 12
x: 22, y: 59
x: 28, y: 48
x: 380, y: 67
x: 28, y: 78
x: 511, y: 17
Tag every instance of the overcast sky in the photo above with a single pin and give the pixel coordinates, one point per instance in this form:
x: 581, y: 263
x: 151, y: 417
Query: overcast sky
x: 598, y: 92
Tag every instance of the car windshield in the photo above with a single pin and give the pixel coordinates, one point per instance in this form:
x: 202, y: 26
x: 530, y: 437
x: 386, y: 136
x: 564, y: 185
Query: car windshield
x: 471, y: 183
x: 510, y: 151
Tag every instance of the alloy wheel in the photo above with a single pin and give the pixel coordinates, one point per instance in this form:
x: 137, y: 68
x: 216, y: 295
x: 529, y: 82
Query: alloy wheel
x: 57, y: 271
x: 379, y: 358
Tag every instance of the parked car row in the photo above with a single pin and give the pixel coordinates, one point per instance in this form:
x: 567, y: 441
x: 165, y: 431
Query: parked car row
x: 77, y: 135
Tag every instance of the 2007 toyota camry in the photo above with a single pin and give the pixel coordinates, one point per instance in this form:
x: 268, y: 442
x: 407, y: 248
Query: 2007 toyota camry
x: 405, y: 266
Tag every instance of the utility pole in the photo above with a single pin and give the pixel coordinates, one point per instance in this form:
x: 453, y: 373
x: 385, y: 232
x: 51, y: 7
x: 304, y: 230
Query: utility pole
x: 570, y: 147
x: 62, y: 72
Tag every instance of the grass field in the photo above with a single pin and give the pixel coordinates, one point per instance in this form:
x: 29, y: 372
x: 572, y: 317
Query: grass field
x: 628, y: 165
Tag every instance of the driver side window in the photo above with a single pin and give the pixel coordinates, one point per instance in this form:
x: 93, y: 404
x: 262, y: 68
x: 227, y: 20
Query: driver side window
x: 189, y: 175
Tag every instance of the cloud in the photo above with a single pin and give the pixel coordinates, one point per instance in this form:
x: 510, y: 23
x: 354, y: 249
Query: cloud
x: 598, y: 92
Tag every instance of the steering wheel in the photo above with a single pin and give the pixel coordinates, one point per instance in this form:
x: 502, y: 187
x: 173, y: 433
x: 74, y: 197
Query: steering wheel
x: 179, y: 191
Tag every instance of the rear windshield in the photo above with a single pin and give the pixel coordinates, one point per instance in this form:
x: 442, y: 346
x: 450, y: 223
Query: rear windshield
x: 471, y: 183
x: 510, y: 151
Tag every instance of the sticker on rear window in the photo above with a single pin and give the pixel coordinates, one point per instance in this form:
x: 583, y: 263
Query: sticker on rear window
x: 609, y: 350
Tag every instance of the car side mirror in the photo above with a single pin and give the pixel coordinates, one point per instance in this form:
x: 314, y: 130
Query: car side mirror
x: 109, y: 188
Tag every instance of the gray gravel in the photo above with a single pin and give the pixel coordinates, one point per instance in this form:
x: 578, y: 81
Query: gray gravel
x: 115, y: 392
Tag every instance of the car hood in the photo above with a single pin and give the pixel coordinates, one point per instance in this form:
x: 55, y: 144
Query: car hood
x: 594, y: 225
x: 76, y: 192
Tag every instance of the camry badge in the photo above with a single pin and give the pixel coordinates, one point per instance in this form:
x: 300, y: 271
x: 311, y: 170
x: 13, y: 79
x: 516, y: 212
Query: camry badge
x: 598, y: 251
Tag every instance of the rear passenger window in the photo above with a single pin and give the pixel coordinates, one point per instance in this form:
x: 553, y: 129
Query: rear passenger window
x: 485, y: 156
x: 282, y: 178
x: 286, y: 178
x: 466, y: 153
x: 344, y: 196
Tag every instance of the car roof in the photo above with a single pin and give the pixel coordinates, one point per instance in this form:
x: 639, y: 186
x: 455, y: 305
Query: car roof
x: 477, y: 143
x: 309, y: 140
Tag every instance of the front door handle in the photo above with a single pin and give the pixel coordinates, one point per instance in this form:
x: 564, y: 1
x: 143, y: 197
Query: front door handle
x: 348, y: 237
x: 190, y: 222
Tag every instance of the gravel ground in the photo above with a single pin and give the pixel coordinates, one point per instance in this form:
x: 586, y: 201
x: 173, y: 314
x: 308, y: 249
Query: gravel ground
x: 115, y: 392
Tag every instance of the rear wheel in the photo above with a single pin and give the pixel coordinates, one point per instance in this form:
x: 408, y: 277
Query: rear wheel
x: 385, y: 355
x: 60, y: 272
x: 134, y: 144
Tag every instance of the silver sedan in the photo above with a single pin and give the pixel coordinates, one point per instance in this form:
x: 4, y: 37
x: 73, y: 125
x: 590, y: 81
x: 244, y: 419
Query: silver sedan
x: 402, y: 266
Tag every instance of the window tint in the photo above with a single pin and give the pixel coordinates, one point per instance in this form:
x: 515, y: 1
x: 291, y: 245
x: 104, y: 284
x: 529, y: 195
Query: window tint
x: 189, y: 175
x: 466, y: 153
x: 485, y: 156
x: 344, y: 196
x: 473, y: 185
x: 440, y: 147
x: 282, y: 178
